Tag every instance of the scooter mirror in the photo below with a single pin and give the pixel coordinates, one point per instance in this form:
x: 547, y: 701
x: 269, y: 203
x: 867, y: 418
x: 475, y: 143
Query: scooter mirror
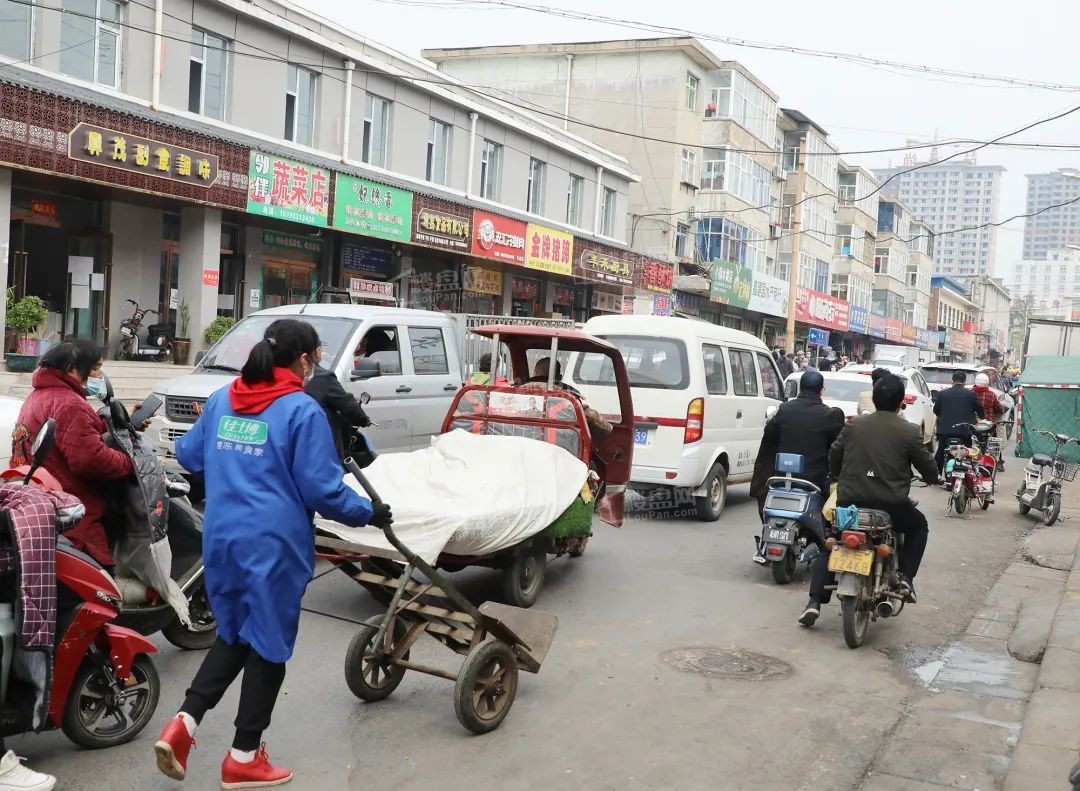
x: 365, y: 398
x: 108, y: 389
x: 41, y: 448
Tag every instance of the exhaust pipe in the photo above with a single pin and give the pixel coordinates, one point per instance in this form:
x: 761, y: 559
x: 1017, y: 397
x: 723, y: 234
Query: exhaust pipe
x: 885, y: 609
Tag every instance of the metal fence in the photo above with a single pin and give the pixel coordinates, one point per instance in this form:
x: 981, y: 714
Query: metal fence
x: 473, y: 346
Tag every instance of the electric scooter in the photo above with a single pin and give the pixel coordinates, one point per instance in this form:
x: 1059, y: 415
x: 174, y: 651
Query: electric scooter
x: 1043, y: 476
x: 793, y: 527
x: 159, y: 337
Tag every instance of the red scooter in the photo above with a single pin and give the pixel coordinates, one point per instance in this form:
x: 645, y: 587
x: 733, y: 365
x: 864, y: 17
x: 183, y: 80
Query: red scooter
x: 104, y: 687
x: 972, y: 472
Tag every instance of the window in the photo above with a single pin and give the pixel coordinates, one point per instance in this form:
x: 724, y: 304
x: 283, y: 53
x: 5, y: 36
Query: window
x: 438, y: 150
x: 382, y: 346
x: 90, y: 41
x: 490, y: 167
x: 746, y: 104
x: 770, y: 379
x: 723, y: 239
x: 206, y: 74
x: 376, y: 128
x: 658, y: 363
x: 692, y: 83
x: 300, y: 105
x: 534, y: 200
x: 689, y: 167
x: 15, y: 26
x: 574, y: 195
x: 712, y: 169
x: 743, y: 378
x: 428, y: 350
x: 607, y: 212
x: 715, y: 373
x: 735, y: 172
x: 682, y: 235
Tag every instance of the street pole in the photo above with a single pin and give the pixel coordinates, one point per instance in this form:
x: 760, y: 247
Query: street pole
x: 796, y: 230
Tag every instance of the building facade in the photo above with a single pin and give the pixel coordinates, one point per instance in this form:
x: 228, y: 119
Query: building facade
x: 1051, y: 283
x: 956, y: 317
x: 1057, y: 228
x: 993, y: 301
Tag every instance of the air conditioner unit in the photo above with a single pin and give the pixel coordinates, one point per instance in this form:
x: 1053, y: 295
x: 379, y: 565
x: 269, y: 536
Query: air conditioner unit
x: 779, y: 172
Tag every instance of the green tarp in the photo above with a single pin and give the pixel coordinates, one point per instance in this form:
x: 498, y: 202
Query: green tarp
x: 1054, y: 409
x: 1051, y: 371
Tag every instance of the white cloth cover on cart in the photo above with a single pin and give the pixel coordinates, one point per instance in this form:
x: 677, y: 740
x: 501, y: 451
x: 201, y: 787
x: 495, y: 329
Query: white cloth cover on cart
x: 467, y: 494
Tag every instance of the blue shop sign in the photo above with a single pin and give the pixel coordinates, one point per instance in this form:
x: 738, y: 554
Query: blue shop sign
x: 373, y: 261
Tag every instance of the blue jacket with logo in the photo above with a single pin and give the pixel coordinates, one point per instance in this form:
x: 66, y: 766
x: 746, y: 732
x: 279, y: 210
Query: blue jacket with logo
x: 265, y: 475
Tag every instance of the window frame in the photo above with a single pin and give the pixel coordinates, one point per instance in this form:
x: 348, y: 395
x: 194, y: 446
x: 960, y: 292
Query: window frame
x: 101, y: 28
x: 202, y: 72
x: 367, y: 147
x: 682, y: 238
x: 412, y: 355
x: 27, y: 55
x: 435, y: 126
x: 534, y: 194
x: 688, y: 167
x: 608, y: 199
x: 490, y: 169
x: 693, y: 84
x: 722, y: 357
x: 765, y: 365
x: 735, y: 380
x: 297, y: 72
x: 575, y: 194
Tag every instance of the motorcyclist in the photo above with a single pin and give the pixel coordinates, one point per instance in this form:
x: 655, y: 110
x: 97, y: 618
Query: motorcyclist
x: 342, y: 409
x: 991, y: 406
x: 955, y: 406
x: 871, y: 461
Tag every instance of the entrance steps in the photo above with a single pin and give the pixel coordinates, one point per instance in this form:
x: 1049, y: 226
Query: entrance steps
x: 131, y: 381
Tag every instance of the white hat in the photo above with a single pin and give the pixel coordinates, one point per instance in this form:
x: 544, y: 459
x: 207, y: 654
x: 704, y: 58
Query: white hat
x: 982, y: 380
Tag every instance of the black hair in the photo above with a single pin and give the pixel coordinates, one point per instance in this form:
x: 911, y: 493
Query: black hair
x: 485, y: 362
x: 959, y: 377
x: 81, y: 353
x: 811, y: 382
x: 283, y: 343
x: 888, y: 393
x: 877, y: 373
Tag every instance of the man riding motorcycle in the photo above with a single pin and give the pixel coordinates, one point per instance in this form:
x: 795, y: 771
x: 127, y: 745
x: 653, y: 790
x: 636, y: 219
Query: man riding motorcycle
x: 954, y: 407
x: 991, y: 406
x: 871, y: 462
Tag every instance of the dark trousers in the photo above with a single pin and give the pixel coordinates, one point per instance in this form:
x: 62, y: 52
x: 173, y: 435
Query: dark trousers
x: 943, y: 441
x: 908, y: 521
x: 258, y: 691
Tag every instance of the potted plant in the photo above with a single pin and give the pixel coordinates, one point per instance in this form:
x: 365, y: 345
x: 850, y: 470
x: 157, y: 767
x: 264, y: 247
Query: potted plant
x: 217, y: 329
x: 25, y: 318
x: 182, y: 342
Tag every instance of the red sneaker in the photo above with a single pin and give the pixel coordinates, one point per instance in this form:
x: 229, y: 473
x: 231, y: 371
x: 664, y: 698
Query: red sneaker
x: 259, y: 773
x: 173, y: 747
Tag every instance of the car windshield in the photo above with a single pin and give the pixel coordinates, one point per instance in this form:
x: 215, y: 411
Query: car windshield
x: 650, y: 362
x: 231, y: 352
x: 844, y: 389
x: 943, y: 376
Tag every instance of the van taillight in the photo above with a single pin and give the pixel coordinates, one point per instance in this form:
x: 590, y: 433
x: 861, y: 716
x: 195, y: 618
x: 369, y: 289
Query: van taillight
x: 695, y: 421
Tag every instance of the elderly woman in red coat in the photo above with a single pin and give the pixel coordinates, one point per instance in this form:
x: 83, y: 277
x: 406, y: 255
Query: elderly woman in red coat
x: 80, y: 460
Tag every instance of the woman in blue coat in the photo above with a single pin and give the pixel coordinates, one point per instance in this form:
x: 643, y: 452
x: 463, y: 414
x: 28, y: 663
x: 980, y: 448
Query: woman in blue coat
x: 265, y: 451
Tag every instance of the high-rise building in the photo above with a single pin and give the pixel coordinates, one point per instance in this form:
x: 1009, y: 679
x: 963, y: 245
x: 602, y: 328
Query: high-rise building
x: 1057, y: 228
x: 950, y: 196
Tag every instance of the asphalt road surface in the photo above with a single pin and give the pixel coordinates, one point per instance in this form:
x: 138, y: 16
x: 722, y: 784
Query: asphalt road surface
x: 606, y: 712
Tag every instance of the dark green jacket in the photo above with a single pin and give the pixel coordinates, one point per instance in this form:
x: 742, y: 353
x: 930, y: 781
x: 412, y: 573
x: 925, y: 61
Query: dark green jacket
x: 872, y: 459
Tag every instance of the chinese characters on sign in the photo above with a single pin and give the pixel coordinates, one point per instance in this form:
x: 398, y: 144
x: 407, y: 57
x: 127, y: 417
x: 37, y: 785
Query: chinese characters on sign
x: 441, y: 229
x: 563, y: 295
x: 288, y: 190
x: 877, y: 325
x: 526, y: 289
x: 44, y: 208
x: 358, y: 287
x: 606, y: 301
x: 893, y: 330
x: 687, y: 303
x: 89, y: 143
x: 499, y: 238
x: 549, y: 250
x: 481, y: 280
x: 372, y: 209
x: 605, y: 268
x: 908, y: 333
x: 288, y: 241
x: 655, y: 276
x: 730, y: 284
x: 813, y: 307
x: 768, y: 294
x: 858, y: 320
x: 210, y: 277
x: 365, y: 259
x: 922, y: 337
x: 661, y: 305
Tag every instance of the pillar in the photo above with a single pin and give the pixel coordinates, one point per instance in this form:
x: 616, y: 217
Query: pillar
x: 253, y: 270
x: 5, y: 243
x: 136, y: 264
x: 200, y: 260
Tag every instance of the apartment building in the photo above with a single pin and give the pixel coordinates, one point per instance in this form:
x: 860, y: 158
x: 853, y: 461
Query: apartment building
x: 1051, y: 283
x: 855, y: 243
x: 232, y: 156
x: 1051, y: 229
x: 993, y: 301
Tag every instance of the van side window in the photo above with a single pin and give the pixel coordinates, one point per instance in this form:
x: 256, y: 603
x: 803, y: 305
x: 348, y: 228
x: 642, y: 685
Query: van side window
x: 743, y: 377
x: 770, y: 379
x: 428, y: 350
x: 715, y: 373
x: 381, y: 344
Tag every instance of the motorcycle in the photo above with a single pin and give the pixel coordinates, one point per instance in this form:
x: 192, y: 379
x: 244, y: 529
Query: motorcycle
x: 159, y: 337
x: 792, y: 525
x: 104, y: 687
x: 972, y: 472
x: 1041, y: 487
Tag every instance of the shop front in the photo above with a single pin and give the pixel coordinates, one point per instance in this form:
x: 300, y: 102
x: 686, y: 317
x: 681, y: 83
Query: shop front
x: 822, y: 312
x: 483, y: 290
x: 290, y: 268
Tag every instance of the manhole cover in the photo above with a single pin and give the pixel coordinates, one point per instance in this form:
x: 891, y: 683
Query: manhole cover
x: 726, y: 663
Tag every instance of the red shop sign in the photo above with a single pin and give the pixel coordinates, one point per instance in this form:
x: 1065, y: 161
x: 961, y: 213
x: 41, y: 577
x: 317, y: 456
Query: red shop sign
x: 908, y: 333
x: 894, y: 330
x: 44, y: 208
x: 655, y: 276
x: 822, y: 310
x: 498, y: 238
x: 210, y: 277
x: 526, y: 289
x: 564, y: 295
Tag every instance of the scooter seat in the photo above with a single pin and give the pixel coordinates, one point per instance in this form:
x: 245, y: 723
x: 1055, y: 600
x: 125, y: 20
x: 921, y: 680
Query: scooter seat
x: 132, y: 592
x: 1042, y: 460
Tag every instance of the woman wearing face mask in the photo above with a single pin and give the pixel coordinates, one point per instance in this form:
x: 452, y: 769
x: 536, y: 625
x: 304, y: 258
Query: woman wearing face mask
x: 264, y: 448
x: 80, y: 460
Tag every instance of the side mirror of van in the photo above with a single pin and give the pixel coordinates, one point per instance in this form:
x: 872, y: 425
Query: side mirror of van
x: 366, y: 368
x: 199, y: 356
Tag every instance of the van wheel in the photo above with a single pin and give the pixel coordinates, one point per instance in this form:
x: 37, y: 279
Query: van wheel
x: 711, y: 505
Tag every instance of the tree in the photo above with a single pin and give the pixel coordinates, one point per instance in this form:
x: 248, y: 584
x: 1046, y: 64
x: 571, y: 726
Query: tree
x: 1019, y: 316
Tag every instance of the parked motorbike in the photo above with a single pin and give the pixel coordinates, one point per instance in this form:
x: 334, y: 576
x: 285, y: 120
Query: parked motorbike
x: 972, y: 472
x: 104, y: 686
x: 1041, y: 487
x: 793, y: 527
x: 159, y: 337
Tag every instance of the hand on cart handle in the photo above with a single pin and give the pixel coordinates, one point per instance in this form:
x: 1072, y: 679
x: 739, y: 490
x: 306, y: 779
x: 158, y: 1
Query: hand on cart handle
x: 381, y: 517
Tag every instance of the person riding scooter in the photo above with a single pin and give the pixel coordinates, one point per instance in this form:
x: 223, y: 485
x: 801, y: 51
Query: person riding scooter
x: 342, y: 409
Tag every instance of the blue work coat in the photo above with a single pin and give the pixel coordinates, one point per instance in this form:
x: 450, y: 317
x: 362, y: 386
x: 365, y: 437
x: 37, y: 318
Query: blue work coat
x: 265, y: 474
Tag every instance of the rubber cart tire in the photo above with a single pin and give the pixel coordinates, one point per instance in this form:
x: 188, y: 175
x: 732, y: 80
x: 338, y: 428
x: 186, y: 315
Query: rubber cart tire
x: 523, y: 576
x: 486, y: 686
x: 368, y: 678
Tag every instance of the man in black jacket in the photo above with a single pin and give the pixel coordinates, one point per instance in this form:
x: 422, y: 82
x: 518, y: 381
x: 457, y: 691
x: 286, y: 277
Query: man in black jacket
x: 954, y: 406
x: 342, y: 410
x: 784, y: 364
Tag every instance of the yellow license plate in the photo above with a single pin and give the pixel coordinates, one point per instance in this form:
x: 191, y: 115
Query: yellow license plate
x: 857, y: 561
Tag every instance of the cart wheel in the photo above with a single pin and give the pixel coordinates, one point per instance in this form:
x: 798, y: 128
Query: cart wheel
x: 486, y: 686
x: 369, y: 677
x: 524, y: 576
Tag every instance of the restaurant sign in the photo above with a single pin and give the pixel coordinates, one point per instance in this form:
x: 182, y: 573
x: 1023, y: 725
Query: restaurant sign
x: 549, y: 250
x: 498, y: 238
x: 481, y: 280
x: 443, y: 229
x: 655, y: 276
x: 372, y: 209
x: 606, y: 268
x: 112, y: 149
x: 813, y: 307
x: 608, y: 302
x: 289, y: 241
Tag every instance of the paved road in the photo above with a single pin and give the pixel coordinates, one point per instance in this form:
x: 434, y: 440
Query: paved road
x: 605, y: 712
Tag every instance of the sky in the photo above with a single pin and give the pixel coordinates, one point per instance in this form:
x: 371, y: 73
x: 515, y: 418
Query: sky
x: 860, y: 106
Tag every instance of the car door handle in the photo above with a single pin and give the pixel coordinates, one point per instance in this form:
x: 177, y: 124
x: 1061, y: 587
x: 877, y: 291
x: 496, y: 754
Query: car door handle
x: 403, y: 389
x: 450, y: 388
x: 738, y: 415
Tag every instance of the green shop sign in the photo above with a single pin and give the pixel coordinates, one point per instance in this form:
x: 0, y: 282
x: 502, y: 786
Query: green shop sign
x: 311, y: 246
x: 287, y: 190
x: 372, y: 209
x: 730, y: 283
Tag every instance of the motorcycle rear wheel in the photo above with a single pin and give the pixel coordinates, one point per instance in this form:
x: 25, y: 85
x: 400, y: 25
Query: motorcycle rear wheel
x: 1052, y: 509
x: 202, y: 632
x: 856, y: 618
x: 783, y: 571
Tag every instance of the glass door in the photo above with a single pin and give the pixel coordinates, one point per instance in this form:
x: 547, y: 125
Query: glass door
x: 84, y: 316
x: 168, y: 282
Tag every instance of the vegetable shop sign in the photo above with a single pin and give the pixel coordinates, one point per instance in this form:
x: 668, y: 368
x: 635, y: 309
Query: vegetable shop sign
x: 101, y: 146
x: 730, y: 283
x: 372, y: 209
x: 287, y: 190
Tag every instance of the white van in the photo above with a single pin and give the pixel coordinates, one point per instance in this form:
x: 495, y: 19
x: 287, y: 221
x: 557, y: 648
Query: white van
x: 702, y: 394
x: 410, y: 376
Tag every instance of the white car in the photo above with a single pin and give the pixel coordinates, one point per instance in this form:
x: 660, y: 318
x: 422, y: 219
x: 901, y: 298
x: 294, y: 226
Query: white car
x: 9, y: 416
x: 939, y: 376
x: 842, y: 389
x: 918, y: 402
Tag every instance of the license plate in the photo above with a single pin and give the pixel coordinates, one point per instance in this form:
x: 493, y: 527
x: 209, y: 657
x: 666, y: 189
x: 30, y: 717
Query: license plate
x: 126, y: 332
x: 643, y: 437
x: 857, y: 561
x: 780, y: 535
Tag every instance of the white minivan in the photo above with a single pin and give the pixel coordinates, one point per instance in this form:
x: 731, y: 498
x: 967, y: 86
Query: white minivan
x: 411, y: 371
x: 702, y: 394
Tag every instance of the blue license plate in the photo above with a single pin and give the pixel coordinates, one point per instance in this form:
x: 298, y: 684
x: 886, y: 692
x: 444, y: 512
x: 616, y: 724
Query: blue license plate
x: 641, y: 436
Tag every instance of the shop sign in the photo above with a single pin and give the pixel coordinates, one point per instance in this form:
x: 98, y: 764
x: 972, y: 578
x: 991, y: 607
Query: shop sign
x: 287, y: 190
x: 877, y: 325
x: 481, y: 280
x: 730, y: 283
x: 525, y: 289
x: 817, y: 337
x: 628, y: 306
x: 89, y: 143
x: 563, y: 295
x: 922, y: 337
x: 894, y: 330
x: 288, y: 241
x: 655, y: 276
x: 908, y: 333
x: 687, y: 303
x: 858, y: 319
x: 359, y: 287
x: 962, y: 342
x: 605, y: 268
x: 662, y: 305
x: 499, y: 238
x: 372, y: 209
x: 969, y: 326
x: 813, y: 307
x: 611, y: 303
x: 357, y: 258
x: 44, y: 208
x: 441, y: 229
x: 549, y: 250
x: 210, y: 277
x: 768, y: 294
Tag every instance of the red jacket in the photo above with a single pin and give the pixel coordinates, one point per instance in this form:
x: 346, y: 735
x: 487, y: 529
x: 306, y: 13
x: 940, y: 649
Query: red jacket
x: 989, y: 401
x: 79, y: 459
